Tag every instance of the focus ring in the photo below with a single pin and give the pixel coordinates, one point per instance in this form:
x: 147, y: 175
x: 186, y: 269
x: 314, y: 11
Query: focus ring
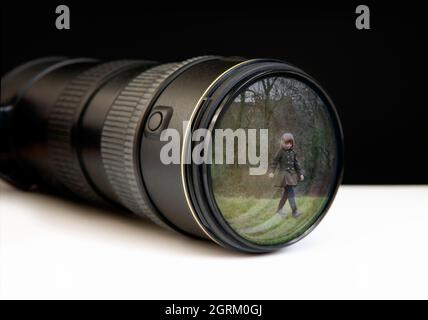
x: 63, y: 117
x: 119, y: 145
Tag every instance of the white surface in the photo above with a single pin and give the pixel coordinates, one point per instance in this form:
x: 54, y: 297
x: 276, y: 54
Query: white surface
x: 372, y: 244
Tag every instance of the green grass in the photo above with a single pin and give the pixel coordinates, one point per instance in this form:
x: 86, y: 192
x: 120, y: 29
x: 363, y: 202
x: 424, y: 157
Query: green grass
x: 256, y: 220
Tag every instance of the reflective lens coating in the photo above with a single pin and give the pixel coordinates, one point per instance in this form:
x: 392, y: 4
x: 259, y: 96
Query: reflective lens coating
x: 288, y: 189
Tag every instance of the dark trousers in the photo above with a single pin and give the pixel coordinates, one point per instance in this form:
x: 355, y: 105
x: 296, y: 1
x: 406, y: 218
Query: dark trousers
x: 288, y: 194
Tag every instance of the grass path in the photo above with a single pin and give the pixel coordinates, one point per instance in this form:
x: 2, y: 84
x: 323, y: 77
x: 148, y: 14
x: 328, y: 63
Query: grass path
x: 256, y: 219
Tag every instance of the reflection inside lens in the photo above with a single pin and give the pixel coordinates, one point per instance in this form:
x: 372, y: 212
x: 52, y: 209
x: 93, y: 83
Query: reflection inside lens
x: 281, y: 204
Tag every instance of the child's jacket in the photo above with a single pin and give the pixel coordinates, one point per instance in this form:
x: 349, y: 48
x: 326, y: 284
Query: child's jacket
x: 289, y: 168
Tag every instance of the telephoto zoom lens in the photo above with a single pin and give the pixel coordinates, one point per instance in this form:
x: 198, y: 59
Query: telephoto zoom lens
x: 246, y: 153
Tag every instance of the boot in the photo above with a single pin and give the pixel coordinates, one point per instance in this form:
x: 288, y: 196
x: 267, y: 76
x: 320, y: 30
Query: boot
x: 296, y: 214
x: 281, y: 212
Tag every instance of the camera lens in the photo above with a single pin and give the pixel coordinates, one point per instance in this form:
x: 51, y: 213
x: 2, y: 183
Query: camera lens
x: 247, y: 153
x: 248, y: 203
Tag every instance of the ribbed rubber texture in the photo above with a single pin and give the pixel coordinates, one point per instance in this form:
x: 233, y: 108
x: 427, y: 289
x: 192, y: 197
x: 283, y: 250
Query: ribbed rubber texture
x: 119, y: 146
x: 63, y: 117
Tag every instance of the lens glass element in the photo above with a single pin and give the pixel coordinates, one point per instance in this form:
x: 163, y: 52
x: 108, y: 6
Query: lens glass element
x: 274, y: 163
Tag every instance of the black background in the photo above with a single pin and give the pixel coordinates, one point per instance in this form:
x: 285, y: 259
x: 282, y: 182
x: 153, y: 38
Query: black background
x: 376, y: 77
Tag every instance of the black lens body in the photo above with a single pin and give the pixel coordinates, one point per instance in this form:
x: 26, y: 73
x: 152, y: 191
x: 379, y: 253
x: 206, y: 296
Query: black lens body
x: 92, y: 130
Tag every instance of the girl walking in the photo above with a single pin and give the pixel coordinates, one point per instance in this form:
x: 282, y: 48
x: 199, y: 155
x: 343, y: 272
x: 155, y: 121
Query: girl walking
x: 291, y: 173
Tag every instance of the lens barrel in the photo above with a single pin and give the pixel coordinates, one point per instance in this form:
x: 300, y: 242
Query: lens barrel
x: 94, y: 130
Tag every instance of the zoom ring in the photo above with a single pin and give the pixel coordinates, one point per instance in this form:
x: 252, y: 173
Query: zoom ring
x: 63, y: 117
x: 119, y: 146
